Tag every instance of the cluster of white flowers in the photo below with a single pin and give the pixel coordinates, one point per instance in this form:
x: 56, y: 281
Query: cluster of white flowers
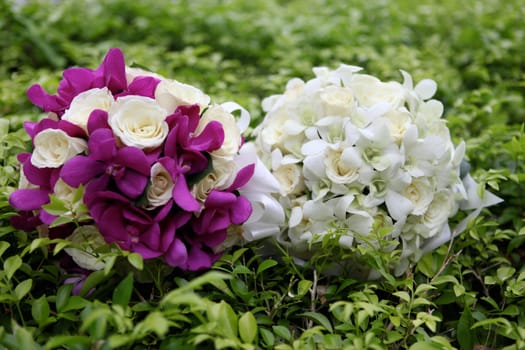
x: 350, y: 150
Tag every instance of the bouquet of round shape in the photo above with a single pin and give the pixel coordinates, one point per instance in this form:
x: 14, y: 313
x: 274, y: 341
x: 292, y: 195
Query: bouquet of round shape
x: 137, y: 160
x: 354, y: 155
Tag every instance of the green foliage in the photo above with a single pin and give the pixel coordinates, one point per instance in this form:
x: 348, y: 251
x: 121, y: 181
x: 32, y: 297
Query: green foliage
x: 466, y: 294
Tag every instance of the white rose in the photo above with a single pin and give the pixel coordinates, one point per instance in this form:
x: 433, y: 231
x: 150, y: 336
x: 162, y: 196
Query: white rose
x: 53, y: 147
x: 232, y: 135
x: 440, y: 209
x: 170, y: 94
x: 369, y: 91
x: 222, y: 176
x: 420, y: 193
x: 342, y: 166
x: 138, y: 121
x: 161, y: 189
x: 290, y: 179
x: 86, y: 258
x: 337, y: 100
x: 85, y: 103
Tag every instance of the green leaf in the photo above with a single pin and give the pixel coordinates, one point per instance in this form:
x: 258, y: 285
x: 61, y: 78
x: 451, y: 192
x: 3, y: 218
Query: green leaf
x: 61, y: 220
x: 226, y: 319
x: 92, y: 281
x: 304, y: 287
x: 62, y: 296
x: 425, y: 345
x: 267, y: 337
x: 465, y: 336
x: 136, y: 261
x: 11, y: 265
x: 75, y: 302
x: 122, y: 293
x: 24, y: 338
x: 320, y: 319
x: 61, y: 245
x: 23, y: 288
x: 505, y: 272
x: 265, y: 265
x: 282, y: 332
x: 40, y: 311
x: 154, y: 322
x: 68, y: 341
x: 3, y: 247
x: 55, y: 206
x: 247, y: 327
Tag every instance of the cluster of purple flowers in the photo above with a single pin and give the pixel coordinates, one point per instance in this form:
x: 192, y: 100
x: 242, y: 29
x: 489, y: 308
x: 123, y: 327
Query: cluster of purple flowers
x: 185, y: 231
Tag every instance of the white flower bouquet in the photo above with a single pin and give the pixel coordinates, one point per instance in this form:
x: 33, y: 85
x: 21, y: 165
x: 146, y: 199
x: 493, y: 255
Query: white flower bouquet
x: 353, y: 153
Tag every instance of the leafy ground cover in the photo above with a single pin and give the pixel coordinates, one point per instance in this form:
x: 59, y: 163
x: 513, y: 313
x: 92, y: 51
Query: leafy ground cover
x: 466, y: 295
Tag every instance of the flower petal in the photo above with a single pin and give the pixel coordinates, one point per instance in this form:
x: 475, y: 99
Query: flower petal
x: 210, y: 139
x: 80, y: 170
x: 182, y: 195
x: 114, y: 70
x: 143, y: 86
x: 241, y: 211
x: 177, y: 254
x: 132, y: 184
x: 98, y: 119
x: 39, y: 97
x: 133, y: 158
x: 243, y: 176
x: 28, y: 199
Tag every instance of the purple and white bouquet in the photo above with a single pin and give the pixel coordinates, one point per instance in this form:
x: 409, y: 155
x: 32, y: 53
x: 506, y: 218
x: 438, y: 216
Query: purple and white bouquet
x: 144, y: 162
x: 352, y: 152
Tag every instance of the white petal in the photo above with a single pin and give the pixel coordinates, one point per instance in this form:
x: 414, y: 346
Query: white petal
x: 244, y: 120
x: 398, y: 206
x: 426, y: 88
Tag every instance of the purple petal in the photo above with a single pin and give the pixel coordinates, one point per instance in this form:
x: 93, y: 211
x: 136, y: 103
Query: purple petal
x: 214, y: 239
x: 151, y: 238
x: 25, y: 220
x: 192, y: 112
x: 170, y: 145
x: 98, y: 119
x: 30, y: 128
x: 133, y: 158
x: 135, y: 215
x: 114, y: 69
x: 241, y: 211
x: 220, y: 199
x: 80, y: 170
x: 199, y: 259
x: 243, y: 176
x: 143, y: 86
x: 132, y: 184
x: 39, y: 97
x: 146, y: 252
x: 71, y: 129
x: 102, y: 145
x: 182, y: 195
x: 210, y: 139
x: 176, y: 255
x: 28, y: 199
x: 75, y: 80
x: 37, y: 176
x: 46, y: 218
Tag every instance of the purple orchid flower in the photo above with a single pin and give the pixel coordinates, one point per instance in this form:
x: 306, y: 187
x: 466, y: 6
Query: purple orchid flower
x: 182, y: 144
x: 111, y: 73
x: 127, y: 166
x: 151, y: 234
